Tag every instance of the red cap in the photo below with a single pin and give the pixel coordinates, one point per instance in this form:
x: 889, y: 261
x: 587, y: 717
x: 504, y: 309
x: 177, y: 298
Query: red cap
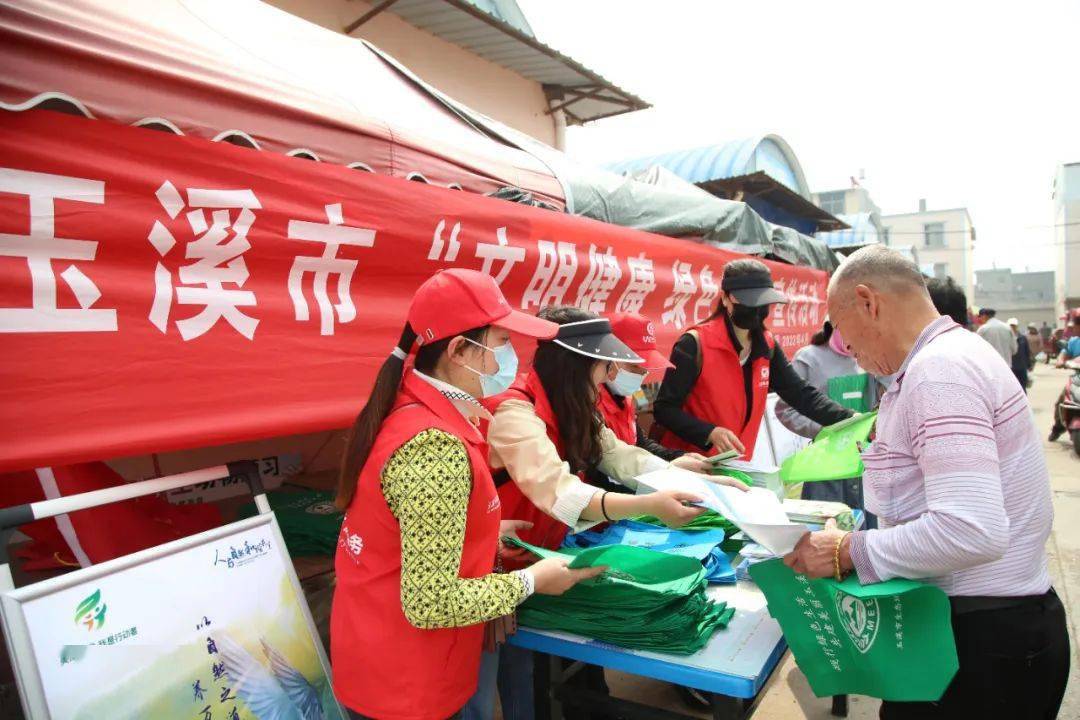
x: 638, y: 334
x: 453, y: 301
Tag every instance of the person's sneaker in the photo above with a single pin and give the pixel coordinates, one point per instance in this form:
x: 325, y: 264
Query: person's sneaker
x: 1055, y: 433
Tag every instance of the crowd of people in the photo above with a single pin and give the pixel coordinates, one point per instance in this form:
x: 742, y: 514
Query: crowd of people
x: 456, y: 449
x: 1022, y: 350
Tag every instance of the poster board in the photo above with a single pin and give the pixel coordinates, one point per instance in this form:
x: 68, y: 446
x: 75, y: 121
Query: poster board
x: 206, y: 628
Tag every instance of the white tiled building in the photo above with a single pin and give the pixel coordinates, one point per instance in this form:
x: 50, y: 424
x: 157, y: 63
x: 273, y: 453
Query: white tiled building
x: 1067, y: 237
x: 945, y: 240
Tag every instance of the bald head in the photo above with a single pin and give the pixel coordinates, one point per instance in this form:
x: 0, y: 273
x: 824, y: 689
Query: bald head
x: 879, y: 303
x: 877, y: 267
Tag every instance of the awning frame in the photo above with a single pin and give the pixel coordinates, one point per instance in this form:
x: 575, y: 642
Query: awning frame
x: 761, y: 184
x: 570, y: 97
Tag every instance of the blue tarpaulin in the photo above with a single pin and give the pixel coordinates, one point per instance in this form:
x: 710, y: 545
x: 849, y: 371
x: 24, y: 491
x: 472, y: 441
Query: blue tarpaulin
x: 703, y: 545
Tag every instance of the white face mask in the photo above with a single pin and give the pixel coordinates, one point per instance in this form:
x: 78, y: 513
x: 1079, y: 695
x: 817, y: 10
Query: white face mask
x: 625, y: 383
x: 498, y: 381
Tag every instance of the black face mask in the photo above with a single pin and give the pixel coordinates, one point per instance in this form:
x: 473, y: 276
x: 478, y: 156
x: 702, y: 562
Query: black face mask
x: 749, y: 318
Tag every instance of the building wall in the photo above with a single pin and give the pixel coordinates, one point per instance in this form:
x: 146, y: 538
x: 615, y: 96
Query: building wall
x: 1034, y: 286
x: 1067, y: 237
x: 957, y: 256
x: 472, y: 80
x: 856, y: 200
x: 1029, y: 296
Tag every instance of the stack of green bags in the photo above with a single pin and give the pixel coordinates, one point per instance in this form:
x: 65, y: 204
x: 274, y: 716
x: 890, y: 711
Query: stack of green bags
x: 646, y: 600
x: 309, y: 520
x: 708, y: 520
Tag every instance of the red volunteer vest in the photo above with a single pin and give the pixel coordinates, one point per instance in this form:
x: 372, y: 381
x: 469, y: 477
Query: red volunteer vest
x: 718, y: 396
x: 383, y: 666
x: 622, y: 419
x: 546, y: 531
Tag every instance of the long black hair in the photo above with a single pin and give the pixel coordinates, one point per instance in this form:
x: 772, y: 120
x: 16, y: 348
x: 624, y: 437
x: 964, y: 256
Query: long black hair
x: 381, y: 400
x: 567, y: 379
x: 823, y: 335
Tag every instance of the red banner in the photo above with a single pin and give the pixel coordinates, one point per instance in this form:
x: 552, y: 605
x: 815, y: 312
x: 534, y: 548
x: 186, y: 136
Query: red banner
x: 161, y: 292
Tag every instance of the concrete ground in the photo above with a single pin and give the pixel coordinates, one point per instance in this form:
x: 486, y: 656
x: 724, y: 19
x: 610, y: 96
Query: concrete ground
x: 789, y: 697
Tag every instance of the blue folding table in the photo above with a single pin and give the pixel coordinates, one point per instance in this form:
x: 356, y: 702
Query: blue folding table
x: 733, y: 667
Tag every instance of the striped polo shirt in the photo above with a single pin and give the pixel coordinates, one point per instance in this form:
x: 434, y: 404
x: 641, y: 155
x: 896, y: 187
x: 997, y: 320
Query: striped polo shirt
x: 956, y: 474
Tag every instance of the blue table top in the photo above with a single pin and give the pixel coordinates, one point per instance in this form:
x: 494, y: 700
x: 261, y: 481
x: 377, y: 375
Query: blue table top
x: 737, y: 661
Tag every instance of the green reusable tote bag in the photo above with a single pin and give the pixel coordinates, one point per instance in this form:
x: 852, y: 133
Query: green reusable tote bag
x: 891, y: 640
x: 640, y: 568
x: 835, y: 453
x: 646, y: 600
x: 852, y: 391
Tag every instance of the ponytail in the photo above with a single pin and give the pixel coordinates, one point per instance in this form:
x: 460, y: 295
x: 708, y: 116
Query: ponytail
x: 367, y: 424
x: 822, y: 336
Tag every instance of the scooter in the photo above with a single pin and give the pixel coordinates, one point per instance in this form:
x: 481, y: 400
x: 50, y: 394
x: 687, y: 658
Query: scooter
x: 1069, y: 410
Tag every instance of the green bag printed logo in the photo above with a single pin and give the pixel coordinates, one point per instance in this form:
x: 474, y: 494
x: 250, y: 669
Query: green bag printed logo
x: 859, y: 618
x: 91, y: 612
x: 891, y: 640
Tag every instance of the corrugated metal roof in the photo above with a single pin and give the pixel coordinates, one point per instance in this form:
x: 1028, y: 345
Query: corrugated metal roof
x: 508, y: 11
x: 768, y: 153
x: 865, y: 230
x: 581, y: 93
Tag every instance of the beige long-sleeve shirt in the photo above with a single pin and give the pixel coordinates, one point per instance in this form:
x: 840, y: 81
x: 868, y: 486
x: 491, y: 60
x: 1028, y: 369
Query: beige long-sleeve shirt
x: 518, y: 441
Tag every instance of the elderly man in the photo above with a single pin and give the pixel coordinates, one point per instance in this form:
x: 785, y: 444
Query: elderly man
x: 997, y: 333
x: 957, y: 478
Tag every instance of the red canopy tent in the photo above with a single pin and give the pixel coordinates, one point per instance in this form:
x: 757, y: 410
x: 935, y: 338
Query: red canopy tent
x: 248, y: 73
x: 161, y: 292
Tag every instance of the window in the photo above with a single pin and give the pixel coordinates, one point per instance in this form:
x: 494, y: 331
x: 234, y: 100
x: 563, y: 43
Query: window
x: 941, y: 270
x: 934, y: 234
x: 885, y: 235
x: 832, y: 202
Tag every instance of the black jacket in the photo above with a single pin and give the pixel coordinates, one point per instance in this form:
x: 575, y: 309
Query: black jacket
x: 783, y: 380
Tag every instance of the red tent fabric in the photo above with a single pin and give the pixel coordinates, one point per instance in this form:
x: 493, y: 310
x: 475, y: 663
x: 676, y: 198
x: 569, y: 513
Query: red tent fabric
x: 210, y: 68
x: 160, y: 293
x: 98, y: 534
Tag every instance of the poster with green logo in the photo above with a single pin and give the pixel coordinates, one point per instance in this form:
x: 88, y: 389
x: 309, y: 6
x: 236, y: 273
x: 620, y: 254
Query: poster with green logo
x: 207, y: 628
x: 891, y: 640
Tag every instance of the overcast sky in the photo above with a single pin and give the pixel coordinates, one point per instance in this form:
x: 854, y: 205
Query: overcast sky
x: 966, y: 104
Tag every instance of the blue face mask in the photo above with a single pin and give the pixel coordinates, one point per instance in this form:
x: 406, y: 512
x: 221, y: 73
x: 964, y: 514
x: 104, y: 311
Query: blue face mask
x: 625, y: 383
x: 501, y: 379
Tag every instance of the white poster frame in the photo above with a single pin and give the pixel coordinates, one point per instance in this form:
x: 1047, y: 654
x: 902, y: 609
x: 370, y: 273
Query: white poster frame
x: 17, y: 633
